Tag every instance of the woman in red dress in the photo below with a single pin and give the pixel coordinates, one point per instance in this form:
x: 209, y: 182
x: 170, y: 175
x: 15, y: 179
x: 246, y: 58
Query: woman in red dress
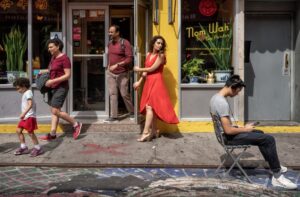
x: 155, y: 101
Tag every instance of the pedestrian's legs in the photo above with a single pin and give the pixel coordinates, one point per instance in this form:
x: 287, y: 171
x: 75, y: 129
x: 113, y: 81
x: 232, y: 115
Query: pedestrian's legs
x: 54, y: 123
x: 147, y: 135
x: 60, y: 114
x: 155, y: 131
x: 266, y: 144
x: 113, y: 94
x: 20, y: 135
x: 33, y: 138
x: 122, y: 81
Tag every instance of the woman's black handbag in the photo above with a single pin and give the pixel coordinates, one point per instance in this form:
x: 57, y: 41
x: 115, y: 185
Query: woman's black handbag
x: 41, y: 84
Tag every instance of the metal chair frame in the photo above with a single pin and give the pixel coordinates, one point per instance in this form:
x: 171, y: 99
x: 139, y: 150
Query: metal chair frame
x: 219, y: 131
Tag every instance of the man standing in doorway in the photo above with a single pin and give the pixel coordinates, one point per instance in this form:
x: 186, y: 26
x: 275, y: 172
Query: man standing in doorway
x: 119, y: 58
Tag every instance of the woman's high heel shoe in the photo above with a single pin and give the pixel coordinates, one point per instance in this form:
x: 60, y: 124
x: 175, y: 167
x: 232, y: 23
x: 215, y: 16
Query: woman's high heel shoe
x: 145, y: 137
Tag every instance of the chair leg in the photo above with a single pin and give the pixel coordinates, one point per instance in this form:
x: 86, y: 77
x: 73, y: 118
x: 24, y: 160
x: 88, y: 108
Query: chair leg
x: 236, y: 162
x: 222, y: 162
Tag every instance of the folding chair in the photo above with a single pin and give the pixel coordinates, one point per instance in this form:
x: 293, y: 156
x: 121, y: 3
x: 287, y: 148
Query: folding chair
x: 219, y: 131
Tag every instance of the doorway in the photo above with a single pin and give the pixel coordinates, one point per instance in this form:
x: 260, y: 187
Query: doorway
x: 268, y: 73
x: 88, y: 39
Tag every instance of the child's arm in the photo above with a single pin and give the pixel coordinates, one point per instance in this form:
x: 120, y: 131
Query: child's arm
x: 29, y: 106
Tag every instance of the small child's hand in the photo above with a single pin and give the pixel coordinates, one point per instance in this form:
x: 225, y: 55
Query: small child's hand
x: 22, y: 116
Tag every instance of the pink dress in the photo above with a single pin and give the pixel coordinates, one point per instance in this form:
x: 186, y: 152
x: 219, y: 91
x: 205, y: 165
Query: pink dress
x: 155, y: 94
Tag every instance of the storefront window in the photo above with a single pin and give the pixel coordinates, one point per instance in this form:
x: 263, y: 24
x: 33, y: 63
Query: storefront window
x: 46, y: 23
x: 206, y: 39
x: 13, y: 40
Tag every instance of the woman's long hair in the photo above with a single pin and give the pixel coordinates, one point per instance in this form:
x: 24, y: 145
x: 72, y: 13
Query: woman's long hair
x: 152, y: 42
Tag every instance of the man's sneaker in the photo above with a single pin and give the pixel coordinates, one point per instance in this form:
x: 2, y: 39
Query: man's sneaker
x: 283, y: 182
x: 77, y: 130
x: 110, y: 120
x: 22, y: 151
x: 283, y: 169
x: 47, y: 137
x: 131, y: 116
x: 35, y: 152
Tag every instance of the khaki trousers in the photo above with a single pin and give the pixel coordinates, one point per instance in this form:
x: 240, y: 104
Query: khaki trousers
x: 115, y: 82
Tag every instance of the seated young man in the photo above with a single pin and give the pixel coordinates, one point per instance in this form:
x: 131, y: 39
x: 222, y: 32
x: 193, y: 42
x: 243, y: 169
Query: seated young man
x: 248, y: 135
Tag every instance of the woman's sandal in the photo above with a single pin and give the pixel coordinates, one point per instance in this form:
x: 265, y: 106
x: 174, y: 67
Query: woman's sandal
x: 145, y: 137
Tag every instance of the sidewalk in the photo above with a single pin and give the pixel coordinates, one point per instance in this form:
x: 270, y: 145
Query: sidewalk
x: 120, y: 149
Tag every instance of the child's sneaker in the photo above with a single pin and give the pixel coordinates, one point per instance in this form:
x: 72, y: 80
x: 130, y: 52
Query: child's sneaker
x: 35, y: 152
x: 47, y: 137
x: 77, y: 130
x: 22, y: 151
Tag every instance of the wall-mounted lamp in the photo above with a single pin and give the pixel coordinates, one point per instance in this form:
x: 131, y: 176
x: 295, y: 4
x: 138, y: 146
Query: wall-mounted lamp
x: 170, y: 12
x: 156, y: 12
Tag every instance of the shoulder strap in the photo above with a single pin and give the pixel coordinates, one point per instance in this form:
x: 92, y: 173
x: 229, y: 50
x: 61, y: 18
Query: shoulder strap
x: 122, y: 44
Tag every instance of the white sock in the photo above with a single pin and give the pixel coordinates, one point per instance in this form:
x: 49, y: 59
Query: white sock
x: 75, y: 125
x: 23, y: 145
x: 38, y: 147
x: 53, y: 133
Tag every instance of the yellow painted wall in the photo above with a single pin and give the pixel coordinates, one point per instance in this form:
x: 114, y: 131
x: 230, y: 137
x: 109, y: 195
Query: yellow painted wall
x: 171, y: 34
x: 171, y: 71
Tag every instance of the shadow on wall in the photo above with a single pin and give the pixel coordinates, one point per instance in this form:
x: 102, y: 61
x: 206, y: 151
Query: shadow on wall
x: 171, y: 85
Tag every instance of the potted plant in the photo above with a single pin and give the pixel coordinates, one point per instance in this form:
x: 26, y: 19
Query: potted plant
x: 15, y: 45
x: 192, y: 68
x: 219, y: 47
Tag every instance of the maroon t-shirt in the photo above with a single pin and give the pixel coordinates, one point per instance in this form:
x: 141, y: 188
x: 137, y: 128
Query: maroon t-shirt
x: 118, y: 54
x: 56, y: 68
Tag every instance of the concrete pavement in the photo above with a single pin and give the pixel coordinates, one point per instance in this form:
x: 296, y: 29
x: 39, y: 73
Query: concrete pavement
x: 120, y: 149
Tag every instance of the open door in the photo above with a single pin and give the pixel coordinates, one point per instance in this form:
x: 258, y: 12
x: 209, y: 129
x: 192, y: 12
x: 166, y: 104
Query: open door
x: 141, y: 36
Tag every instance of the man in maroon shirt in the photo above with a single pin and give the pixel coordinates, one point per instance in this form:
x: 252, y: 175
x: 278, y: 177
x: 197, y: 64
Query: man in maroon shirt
x: 119, y: 58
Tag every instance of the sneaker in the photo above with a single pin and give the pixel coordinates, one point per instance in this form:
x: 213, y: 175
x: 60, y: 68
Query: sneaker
x: 47, y: 137
x: 283, y: 169
x: 35, y: 152
x: 283, y: 182
x: 131, y: 116
x: 22, y: 151
x: 77, y: 130
x: 110, y: 120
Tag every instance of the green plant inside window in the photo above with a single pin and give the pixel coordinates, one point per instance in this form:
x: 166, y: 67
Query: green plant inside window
x: 193, y: 67
x: 15, y: 45
x: 219, y: 46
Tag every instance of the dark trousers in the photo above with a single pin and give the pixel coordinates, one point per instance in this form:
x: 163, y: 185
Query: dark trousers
x: 265, y: 142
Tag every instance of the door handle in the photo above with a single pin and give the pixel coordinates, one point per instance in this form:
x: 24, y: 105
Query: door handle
x: 286, y: 64
x: 286, y: 61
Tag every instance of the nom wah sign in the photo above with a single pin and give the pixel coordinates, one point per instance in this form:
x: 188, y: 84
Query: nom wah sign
x: 213, y: 28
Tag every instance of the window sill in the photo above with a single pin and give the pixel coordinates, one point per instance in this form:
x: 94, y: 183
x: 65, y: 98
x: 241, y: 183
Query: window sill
x: 201, y: 85
x: 9, y: 86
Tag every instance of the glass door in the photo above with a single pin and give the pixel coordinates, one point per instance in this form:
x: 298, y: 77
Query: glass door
x: 88, y: 39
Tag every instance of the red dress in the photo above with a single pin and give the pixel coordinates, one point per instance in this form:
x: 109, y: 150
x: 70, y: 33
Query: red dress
x: 155, y: 94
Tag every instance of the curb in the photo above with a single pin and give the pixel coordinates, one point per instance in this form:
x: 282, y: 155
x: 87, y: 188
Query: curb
x: 184, y: 127
x: 42, y: 128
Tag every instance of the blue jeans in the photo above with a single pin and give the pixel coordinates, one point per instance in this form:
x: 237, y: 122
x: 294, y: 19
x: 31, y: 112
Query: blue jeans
x: 265, y: 142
